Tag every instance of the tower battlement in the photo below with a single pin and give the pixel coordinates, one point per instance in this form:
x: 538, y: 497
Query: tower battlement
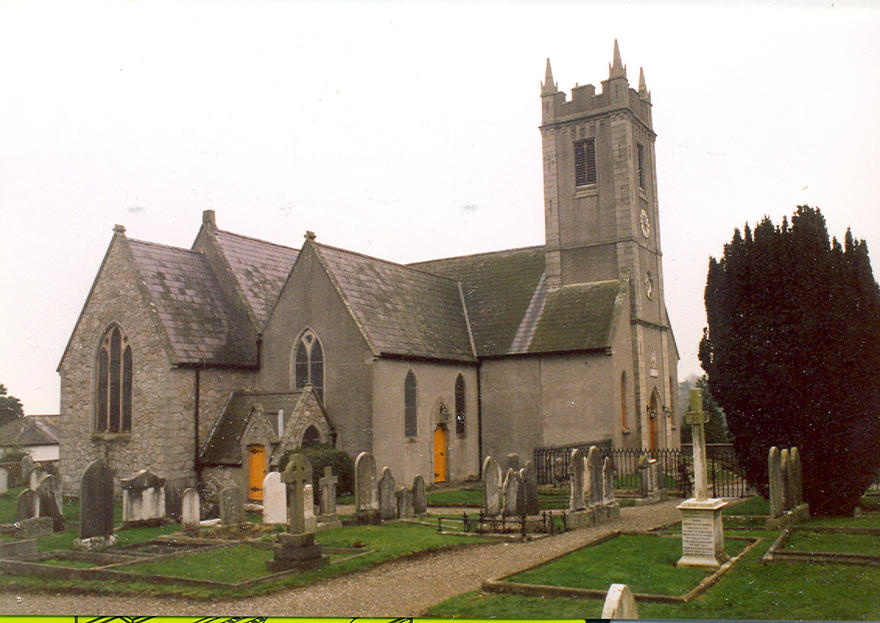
x: 615, y: 94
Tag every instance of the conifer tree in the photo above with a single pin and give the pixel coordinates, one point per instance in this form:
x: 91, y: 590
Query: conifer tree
x: 792, y: 349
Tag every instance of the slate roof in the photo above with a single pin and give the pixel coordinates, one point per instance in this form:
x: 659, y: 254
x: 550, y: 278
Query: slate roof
x: 200, y: 323
x: 223, y: 444
x: 260, y: 267
x: 401, y: 310
x: 497, y: 290
x: 31, y: 430
x: 577, y: 317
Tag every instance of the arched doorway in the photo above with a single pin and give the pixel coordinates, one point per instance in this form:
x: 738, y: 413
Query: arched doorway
x: 256, y: 471
x: 440, y: 438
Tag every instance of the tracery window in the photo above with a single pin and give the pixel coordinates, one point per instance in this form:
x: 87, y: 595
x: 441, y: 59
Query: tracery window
x: 623, y: 399
x: 460, y: 409
x: 410, y: 422
x: 309, y: 363
x: 114, y: 383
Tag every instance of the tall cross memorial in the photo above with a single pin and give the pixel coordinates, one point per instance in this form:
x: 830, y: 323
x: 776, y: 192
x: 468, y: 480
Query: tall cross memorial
x: 296, y: 475
x: 702, y: 530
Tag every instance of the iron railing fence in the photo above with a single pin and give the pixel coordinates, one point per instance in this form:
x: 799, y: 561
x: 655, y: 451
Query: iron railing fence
x: 675, y: 468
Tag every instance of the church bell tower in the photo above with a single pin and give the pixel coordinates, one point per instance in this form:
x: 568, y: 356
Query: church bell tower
x: 601, y: 215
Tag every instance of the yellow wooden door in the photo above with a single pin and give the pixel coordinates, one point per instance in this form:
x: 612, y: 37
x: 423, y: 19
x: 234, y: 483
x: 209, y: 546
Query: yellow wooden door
x: 256, y: 472
x: 440, y: 454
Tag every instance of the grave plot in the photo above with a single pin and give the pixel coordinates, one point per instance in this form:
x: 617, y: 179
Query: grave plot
x: 644, y: 561
x: 835, y: 545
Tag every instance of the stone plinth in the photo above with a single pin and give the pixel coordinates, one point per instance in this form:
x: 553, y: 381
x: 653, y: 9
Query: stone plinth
x: 702, y: 533
x: 296, y: 551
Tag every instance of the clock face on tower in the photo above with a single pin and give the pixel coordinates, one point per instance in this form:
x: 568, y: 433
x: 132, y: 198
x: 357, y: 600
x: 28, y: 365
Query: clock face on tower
x: 645, y: 223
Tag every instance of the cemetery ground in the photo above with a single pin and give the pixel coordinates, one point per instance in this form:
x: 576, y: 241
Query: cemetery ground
x: 422, y: 568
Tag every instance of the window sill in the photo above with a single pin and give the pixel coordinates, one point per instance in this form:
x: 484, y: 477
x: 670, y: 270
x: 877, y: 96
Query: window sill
x: 589, y: 190
x: 461, y: 435
x: 111, y: 436
x: 412, y: 440
x: 625, y: 431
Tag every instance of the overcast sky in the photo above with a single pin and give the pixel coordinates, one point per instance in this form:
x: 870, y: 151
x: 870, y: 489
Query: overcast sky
x: 403, y: 132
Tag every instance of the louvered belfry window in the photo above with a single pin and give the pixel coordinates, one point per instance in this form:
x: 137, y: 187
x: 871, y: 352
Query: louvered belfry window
x: 640, y: 152
x: 114, y: 383
x: 309, y: 363
x: 585, y: 162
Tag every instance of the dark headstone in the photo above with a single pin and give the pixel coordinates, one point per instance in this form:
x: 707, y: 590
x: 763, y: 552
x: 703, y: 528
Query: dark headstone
x: 530, y: 486
x: 26, y: 506
x: 231, y: 506
x: 48, y: 493
x: 513, y: 462
x: 96, y: 501
x: 27, y: 466
x: 420, y: 498
x: 387, y: 495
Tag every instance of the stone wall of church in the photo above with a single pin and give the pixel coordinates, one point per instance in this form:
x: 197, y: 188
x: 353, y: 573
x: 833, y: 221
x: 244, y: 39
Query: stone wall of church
x: 310, y: 301
x: 548, y: 400
x: 435, y: 386
x: 162, y: 435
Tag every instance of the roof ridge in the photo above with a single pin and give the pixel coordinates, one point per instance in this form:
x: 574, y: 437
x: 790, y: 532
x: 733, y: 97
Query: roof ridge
x: 275, y: 244
x: 384, y: 261
x: 164, y: 246
x: 480, y: 254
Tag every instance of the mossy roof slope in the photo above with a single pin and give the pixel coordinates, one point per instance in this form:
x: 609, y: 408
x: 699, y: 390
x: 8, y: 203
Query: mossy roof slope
x: 401, y: 310
x: 577, y: 317
x: 201, y: 324
x: 260, y: 267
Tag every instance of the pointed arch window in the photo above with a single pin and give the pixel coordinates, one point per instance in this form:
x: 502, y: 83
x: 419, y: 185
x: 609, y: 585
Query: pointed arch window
x: 309, y: 363
x: 311, y: 437
x: 410, y: 422
x: 623, y: 400
x: 460, y: 409
x: 114, y: 383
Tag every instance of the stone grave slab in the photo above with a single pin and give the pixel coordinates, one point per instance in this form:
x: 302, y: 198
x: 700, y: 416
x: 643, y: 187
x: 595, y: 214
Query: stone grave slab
x: 274, y: 499
x: 492, y: 486
x: 577, y: 468
x: 96, y: 508
x: 420, y: 498
x: 366, y: 489
x: 620, y: 603
x: 387, y: 495
x: 143, y: 499
x: 404, y: 503
x: 190, y: 512
x: 231, y: 506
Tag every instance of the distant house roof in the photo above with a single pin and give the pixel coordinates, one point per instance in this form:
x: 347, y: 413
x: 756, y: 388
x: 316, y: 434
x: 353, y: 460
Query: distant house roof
x: 199, y: 322
x: 402, y: 310
x: 222, y: 447
x: 33, y: 430
x: 260, y: 267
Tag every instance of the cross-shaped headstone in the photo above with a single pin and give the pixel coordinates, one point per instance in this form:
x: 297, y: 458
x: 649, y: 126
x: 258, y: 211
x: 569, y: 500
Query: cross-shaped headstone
x: 327, y: 483
x: 296, y: 475
x: 696, y: 417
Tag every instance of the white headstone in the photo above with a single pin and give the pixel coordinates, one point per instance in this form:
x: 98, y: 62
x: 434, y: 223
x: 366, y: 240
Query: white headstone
x: 274, y: 499
x: 189, y: 510
x: 620, y: 603
x: 311, y: 522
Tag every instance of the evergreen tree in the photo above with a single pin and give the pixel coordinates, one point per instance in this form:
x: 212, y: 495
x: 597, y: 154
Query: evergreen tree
x: 791, y: 351
x: 10, y: 406
x: 716, y: 427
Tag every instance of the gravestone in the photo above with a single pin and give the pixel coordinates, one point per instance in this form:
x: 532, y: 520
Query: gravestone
x: 513, y: 462
x: 296, y: 548
x: 190, y: 511
x: 48, y: 501
x: 702, y: 530
x: 785, y: 468
x: 608, y: 481
x: 797, y: 485
x: 594, y: 469
x: 37, y: 474
x: 4, y: 480
x: 530, y: 487
x: 310, y: 522
x: 619, y: 603
x: 420, y: 499
x: 327, y: 502
x: 366, y: 489
x: 33, y: 527
x: 173, y: 491
x: 514, y: 502
x: 274, y: 499
x: 774, y: 474
x: 143, y: 499
x: 96, y: 508
x: 492, y: 484
x: 387, y: 495
x: 27, y: 466
x: 231, y: 506
x: 404, y: 503
x: 26, y: 505
x: 576, y: 472
x: 295, y: 476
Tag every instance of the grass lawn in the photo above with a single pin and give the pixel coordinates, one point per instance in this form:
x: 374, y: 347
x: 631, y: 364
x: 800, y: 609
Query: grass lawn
x: 753, y: 506
x: 548, y: 498
x: 248, y: 563
x: 623, y: 560
x: 867, y: 521
x: 801, y: 541
x: 750, y: 590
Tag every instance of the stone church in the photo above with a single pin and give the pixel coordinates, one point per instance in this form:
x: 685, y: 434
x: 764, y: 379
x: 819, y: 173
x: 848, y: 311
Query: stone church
x: 212, y: 361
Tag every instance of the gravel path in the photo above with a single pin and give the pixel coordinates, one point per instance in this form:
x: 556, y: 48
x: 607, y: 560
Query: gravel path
x: 400, y: 588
